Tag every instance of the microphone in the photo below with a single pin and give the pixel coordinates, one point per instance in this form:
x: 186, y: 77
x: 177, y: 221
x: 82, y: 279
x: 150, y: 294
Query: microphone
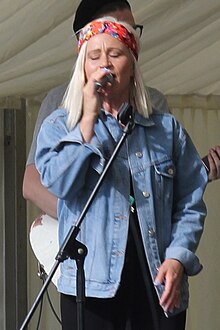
x: 106, y: 79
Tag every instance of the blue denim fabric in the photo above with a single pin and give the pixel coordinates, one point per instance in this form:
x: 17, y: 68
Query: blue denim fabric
x: 168, y: 180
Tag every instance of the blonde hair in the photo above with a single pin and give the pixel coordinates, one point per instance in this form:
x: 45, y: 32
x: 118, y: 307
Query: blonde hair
x: 73, y: 97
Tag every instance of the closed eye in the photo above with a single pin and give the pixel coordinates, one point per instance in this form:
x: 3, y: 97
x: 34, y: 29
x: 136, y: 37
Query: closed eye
x: 94, y: 57
x: 115, y: 54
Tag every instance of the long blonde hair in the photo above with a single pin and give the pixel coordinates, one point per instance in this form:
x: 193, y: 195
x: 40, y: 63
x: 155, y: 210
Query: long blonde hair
x: 73, y: 97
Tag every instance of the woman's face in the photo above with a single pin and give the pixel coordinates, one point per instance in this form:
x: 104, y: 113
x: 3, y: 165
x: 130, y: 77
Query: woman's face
x: 105, y: 51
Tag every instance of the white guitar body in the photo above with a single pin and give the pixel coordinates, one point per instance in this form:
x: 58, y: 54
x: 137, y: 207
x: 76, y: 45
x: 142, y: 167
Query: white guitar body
x: 44, y: 242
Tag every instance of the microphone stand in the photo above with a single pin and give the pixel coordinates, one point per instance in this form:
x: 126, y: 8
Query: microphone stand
x: 71, y: 248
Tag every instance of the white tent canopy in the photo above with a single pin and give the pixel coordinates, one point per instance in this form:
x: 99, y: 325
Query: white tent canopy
x: 180, y: 45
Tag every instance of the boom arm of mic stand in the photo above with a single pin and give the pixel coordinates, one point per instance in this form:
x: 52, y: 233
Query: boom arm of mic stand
x: 70, y: 242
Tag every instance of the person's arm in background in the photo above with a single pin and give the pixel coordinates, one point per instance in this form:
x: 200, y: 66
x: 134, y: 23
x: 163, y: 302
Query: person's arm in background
x: 214, y: 163
x: 33, y: 190
x: 159, y: 103
x: 36, y: 193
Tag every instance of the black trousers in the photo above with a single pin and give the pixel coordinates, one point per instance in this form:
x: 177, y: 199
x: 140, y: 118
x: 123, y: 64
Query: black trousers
x: 130, y: 309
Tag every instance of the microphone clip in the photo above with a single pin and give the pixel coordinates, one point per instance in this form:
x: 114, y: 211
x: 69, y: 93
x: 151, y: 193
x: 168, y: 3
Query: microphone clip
x: 126, y: 116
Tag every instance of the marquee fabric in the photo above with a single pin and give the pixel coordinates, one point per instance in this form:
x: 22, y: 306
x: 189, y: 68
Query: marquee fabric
x: 180, y: 45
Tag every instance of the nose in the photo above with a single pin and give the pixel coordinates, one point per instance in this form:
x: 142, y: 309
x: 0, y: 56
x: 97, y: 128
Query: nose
x: 105, y: 61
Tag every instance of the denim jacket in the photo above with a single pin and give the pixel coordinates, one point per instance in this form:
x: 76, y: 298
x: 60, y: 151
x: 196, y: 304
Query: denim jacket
x: 168, y: 181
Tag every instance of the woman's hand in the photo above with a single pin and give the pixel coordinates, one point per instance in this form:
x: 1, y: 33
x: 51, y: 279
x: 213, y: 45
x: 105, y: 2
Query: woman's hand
x: 91, y: 103
x: 170, y: 274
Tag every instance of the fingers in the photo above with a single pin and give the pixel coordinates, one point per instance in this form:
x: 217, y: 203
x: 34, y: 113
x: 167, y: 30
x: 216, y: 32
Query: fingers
x: 107, y: 79
x: 93, y: 90
x: 170, y: 296
x: 170, y: 274
x: 99, y: 79
x: 91, y: 99
x: 214, y: 163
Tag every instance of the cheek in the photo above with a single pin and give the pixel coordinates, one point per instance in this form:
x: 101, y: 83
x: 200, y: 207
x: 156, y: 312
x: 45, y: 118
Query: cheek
x: 128, y: 70
x: 89, y: 68
x: 87, y: 71
x: 128, y: 67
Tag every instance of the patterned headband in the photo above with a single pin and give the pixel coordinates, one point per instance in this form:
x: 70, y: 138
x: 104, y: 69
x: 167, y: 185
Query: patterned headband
x: 114, y: 29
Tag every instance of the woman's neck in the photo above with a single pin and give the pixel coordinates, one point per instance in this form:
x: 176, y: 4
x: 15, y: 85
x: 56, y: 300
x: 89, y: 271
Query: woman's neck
x: 113, y: 106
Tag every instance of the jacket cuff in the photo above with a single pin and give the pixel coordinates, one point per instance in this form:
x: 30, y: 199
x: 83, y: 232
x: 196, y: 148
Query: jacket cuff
x: 187, y: 258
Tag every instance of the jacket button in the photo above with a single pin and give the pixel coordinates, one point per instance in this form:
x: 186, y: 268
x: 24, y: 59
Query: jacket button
x: 151, y: 232
x: 138, y: 154
x: 170, y: 171
x: 146, y: 194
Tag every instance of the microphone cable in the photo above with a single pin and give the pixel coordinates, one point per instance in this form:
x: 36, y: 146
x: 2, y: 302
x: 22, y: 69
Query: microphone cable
x: 42, y: 275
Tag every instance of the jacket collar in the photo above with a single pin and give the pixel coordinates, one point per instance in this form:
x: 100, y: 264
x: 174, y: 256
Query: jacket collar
x: 140, y: 120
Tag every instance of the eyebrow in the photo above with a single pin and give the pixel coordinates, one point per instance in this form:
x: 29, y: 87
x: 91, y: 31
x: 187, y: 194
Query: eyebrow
x: 107, y: 48
x: 98, y: 50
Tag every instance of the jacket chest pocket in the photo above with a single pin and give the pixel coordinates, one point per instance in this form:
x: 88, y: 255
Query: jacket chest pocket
x: 164, y: 173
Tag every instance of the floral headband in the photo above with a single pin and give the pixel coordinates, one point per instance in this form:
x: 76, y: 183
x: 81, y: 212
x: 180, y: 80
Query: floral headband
x: 114, y: 29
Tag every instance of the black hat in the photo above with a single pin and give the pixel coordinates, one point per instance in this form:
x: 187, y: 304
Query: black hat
x: 88, y: 9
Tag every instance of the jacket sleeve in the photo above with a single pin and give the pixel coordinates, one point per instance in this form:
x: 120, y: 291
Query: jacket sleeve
x: 189, y: 210
x: 63, y: 159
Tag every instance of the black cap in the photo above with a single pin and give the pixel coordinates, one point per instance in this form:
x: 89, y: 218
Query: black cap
x: 88, y: 9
